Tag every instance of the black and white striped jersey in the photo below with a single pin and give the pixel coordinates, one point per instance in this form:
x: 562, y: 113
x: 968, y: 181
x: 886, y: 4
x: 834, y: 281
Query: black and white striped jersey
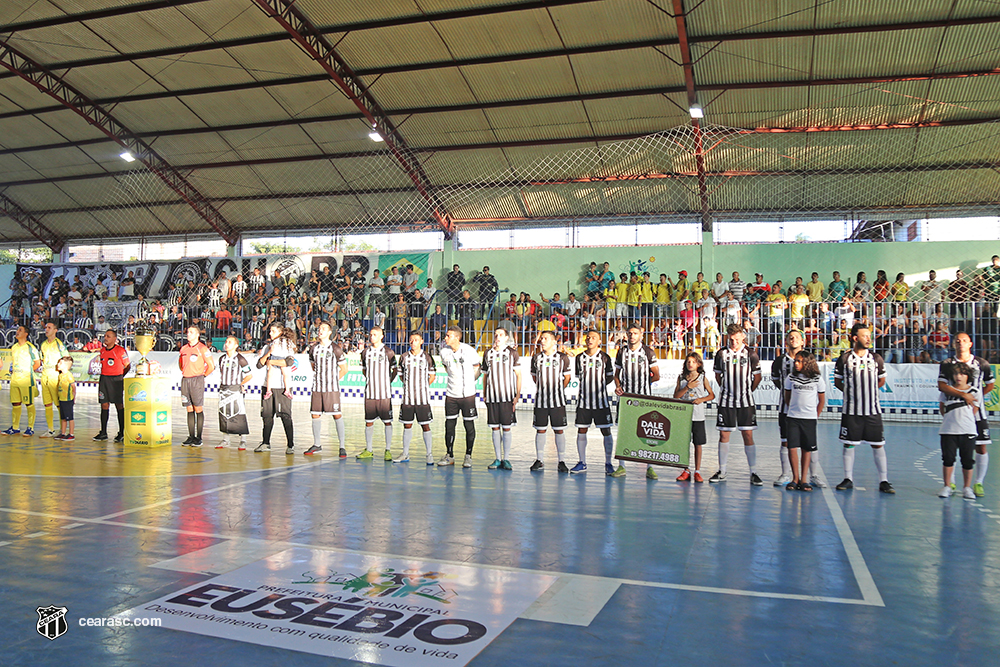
x: 379, y: 366
x: 860, y: 375
x: 737, y: 371
x: 634, y: 368
x: 326, y: 361
x: 548, y: 371
x: 499, y: 378
x: 781, y: 368
x: 233, y: 369
x: 982, y: 375
x: 416, y: 370
x: 594, y: 373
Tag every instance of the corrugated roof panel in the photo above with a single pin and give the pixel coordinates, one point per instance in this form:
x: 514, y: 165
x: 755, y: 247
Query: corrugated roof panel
x: 323, y: 13
x: 314, y: 176
x: 876, y: 54
x: 149, y: 115
x: 272, y: 59
x: 156, y: 29
x: 861, y: 12
x: 283, y: 141
x: 494, y: 203
x: 513, y: 32
x: 625, y: 70
x: 753, y: 61
x: 447, y: 129
x: 197, y: 69
x: 344, y: 136
x: 372, y: 173
x: 107, y: 81
x: 392, y: 45
x: 239, y: 106
x: 40, y: 197
x: 958, y: 145
x: 229, y: 182
x: 474, y: 166
x: 967, y: 188
x: 612, y: 21
x: 973, y: 97
x: 27, y: 131
x: 968, y: 47
x: 539, y: 122
x: 77, y: 225
x: 420, y: 89
x: 68, y: 124
x: 23, y: 94
x: 59, y: 162
x: 13, y: 168
x: 750, y: 17
x: 318, y: 98
x: 654, y: 108
x: 69, y: 41
x: 518, y: 80
x: 230, y: 19
x: 193, y: 149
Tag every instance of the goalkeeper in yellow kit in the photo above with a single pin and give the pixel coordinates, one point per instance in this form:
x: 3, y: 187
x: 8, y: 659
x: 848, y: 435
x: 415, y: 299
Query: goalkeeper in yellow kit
x: 25, y: 361
x: 53, y: 350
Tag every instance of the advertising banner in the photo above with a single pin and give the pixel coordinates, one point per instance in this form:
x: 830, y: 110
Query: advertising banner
x: 654, y: 430
x: 147, y: 411
x: 359, y: 607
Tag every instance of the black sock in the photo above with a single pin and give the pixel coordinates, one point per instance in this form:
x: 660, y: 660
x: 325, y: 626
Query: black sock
x: 105, y: 413
x: 470, y: 436
x: 200, y: 418
x: 289, y: 436
x: 120, y: 409
x: 449, y: 435
x: 190, y: 424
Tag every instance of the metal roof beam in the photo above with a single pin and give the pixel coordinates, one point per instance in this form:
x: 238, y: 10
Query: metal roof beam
x: 60, y: 90
x: 31, y: 224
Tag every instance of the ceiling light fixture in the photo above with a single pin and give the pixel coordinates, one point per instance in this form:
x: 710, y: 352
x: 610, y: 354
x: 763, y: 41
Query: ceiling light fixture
x: 697, y: 112
x: 128, y: 157
x: 374, y: 135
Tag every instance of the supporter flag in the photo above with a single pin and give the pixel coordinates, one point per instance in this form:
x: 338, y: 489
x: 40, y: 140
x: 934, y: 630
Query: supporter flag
x: 232, y: 411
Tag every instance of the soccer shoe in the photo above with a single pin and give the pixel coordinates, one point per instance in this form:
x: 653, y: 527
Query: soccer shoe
x: 562, y: 467
x: 783, y: 480
x: 719, y: 476
x: 342, y: 453
x: 430, y: 459
x: 188, y: 440
x: 447, y: 460
x: 289, y: 450
x: 69, y: 437
x: 223, y: 444
x: 816, y: 482
x: 977, y: 489
x: 578, y: 468
x: 609, y: 469
x: 47, y: 434
x: 536, y: 466
x: 619, y: 472
x: 195, y: 444
x: 755, y: 480
x: 121, y: 438
x: 467, y: 462
x: 968, y: 493
x: 885, y: 487
x: 651, y: 474
x: 312, y: 450
x: 698, y: 478
x: 945, y: 491
x: 401, y: 459
x: 495, y: 465
x: 28, y: 432
x: 59, y: 436
x: 364, y: 454
x: 15, y: 431
x: 505, y: 465
x: 387, y: 456
x: 100, y: 436
x: 846, y: 485
x: 263, y: 447
x: 684, y: 476
x: 243, y: 446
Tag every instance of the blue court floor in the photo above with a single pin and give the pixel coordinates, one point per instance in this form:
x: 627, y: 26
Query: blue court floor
x: 649, y: 572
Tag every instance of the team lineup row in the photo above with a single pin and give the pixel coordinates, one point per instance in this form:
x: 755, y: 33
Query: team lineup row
x: 964, y: 380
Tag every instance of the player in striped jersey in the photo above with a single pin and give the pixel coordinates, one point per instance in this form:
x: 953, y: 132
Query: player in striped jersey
x: 636, y: 369
x: 781, y: 368
x: 860, y: 373
x: 594, y: 371
x: 737, y: 372
x: 234, y: 374
x: 550, y: 372
x: 378, y: 363
x: 981, y: 379
x: 501, y: 389
x: 416, y: 366
x: 329, y: 365
x: 52, y: 351
x: 461, y: 362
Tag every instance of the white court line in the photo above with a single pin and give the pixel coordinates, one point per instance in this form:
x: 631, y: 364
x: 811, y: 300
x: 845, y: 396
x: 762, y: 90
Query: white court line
x: 40, y: 533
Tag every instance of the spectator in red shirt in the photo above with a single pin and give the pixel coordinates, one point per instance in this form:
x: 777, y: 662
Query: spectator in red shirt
x: 223, y: 320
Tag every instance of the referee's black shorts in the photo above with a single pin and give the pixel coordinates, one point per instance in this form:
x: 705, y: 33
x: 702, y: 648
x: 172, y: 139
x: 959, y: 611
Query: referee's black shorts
x: 111, y: 389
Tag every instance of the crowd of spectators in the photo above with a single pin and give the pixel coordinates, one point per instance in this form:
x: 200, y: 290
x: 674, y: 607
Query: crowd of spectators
x: 910, y: 323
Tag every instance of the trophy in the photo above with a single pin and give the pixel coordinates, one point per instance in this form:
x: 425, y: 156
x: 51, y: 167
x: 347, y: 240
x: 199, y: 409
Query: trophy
x: 144, y: 342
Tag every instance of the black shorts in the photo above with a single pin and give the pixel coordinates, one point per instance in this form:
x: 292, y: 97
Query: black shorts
x: 963, y: 445
x: 599, y: 417
x: 554, y: 416
x: 782, y: 429
x: 698, y: 436
x: 193, y: 391
x: 421, y: 413
x: 66, y: 410
x: 111, y: 389
x: 731, y: 419
x: 801, y: 434
x: 378, y: 408
x: 983, y: 432
x: 500, y: 414
x: 857, y: 429
x: 278, y: 405
x: 325, y: 403
x: 467, y: 406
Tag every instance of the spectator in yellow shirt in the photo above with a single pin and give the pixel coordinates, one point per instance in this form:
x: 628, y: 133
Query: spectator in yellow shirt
x: 646, y: 299
x: 681, y: 289
x: 814, y: 288
x: 663, y: 296
x: 633, y: 296
x: 698, y: 286
x: 776, y: 304
x: 799, y: 303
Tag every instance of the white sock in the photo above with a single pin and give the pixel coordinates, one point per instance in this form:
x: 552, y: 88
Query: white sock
x: 317, y: 425
x: 982, y: 465
x: 243, y: 440
x: 507, y: 437
x: 388, y: 437
x: 813, y: 463
x: 497, y: 445
x: 609, y: 448
x: 540, y: 444
x: 340, y: 431
x: 427, y: 442
x: 751, y: 452
x: 561, y: 446
x: 881, y: 464
x: 369, y: 430
x: 407, y: 436
x: 849, y: 463
x: 786, y: 467
x: 581, y: 446
x: 723, y: 456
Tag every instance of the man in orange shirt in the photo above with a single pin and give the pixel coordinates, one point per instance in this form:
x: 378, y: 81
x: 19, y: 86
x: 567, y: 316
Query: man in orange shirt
x: 196, y: 363
x: 111, y: 387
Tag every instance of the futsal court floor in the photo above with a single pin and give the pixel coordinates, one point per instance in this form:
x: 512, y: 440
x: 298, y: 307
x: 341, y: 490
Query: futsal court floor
x: 646, y: 572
